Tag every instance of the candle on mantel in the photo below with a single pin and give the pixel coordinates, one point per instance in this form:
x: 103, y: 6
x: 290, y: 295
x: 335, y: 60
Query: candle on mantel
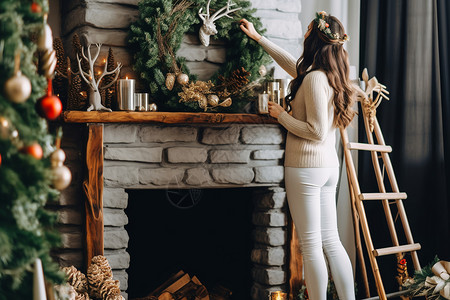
x: 125, y: 94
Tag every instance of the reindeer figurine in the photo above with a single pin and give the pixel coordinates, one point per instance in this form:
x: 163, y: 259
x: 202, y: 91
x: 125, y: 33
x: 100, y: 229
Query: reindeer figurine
x: 209, y: 28
x: 95, y: 100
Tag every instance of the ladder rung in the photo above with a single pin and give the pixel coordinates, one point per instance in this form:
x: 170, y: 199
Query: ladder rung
x: 369, y: 147
x: 396, y: 249
x: 390, y: 295
x: 382, y: 196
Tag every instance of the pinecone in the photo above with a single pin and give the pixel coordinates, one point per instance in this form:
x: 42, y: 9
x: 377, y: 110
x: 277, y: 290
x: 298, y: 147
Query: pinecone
x: 76, y: 279
x: 110, y: 289
x: 109, y: 92
x: 60, y: 55
x: 95, y: 279
x: 75, y: 101
x: 103, y: 263
x: 237, y: 80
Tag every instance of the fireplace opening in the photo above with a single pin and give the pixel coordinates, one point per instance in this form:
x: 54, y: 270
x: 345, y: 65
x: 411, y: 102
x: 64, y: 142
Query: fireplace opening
x: 206, y: 233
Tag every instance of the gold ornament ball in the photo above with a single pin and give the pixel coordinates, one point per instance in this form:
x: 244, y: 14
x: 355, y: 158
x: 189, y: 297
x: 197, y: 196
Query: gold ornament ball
x: 61, y: 177
x: 18, y: 88
x: 182, y: 79
x: 213, y: 100
x: 152, y: 107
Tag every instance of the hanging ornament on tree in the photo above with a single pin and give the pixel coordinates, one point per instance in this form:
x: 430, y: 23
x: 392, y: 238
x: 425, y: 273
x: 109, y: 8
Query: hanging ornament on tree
x: 35, y: 8
x: 34, y: 150
x: 0, y: 159
x: 49, y: 106
x: 47, y: 56
x: 17, y: 88
x: 61, y: 174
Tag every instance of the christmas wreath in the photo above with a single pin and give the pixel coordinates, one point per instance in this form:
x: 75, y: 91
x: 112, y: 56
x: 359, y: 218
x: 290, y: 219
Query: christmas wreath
x: 157, y: 35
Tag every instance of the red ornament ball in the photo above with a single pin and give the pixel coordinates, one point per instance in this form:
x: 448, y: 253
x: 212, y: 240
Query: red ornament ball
x: 34, y: 150
x: 49, y: 107
x: 35, y: 8
x: 0, y: 159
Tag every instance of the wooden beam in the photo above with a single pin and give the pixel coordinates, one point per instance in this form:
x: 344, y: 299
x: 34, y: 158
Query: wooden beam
x: 164, y: 117
x: 295, y: 262
x: 93, y: 188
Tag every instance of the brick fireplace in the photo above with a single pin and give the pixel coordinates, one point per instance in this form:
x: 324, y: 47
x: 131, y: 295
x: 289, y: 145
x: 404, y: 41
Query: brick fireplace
x: 170, y: 156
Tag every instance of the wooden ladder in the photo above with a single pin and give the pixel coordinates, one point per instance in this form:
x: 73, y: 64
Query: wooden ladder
x: 395, y: 197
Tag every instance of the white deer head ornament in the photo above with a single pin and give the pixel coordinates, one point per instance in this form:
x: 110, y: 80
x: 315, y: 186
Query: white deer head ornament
x: 209, y: 28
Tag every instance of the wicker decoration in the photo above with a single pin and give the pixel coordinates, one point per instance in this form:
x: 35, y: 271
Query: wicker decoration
x: 76, y: 279
x: 75, y: 100
x: 109, y: 92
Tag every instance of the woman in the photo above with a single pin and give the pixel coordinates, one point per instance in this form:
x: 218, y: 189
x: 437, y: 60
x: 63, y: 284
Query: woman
x: 321, y: 99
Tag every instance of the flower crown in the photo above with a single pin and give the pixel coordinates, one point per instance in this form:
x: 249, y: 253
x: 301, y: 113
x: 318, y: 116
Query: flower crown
x: 324, y: 27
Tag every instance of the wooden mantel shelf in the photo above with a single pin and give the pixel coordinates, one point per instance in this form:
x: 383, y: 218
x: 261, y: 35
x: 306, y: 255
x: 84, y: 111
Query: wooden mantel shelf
x: 164, y: 117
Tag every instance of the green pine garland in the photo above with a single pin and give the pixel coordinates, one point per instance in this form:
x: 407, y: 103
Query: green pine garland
x: 26, y: 227
x: 241, y: 51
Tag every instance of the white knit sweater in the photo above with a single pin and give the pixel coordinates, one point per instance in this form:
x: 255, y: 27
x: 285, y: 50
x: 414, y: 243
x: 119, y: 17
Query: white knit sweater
x: 311, y: 134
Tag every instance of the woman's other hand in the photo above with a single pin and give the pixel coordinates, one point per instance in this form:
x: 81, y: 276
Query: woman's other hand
x: 248, y: 28
x: 275, y: 109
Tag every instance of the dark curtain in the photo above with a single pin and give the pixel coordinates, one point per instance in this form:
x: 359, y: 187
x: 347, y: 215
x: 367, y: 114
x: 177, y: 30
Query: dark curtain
x: 405, y: 44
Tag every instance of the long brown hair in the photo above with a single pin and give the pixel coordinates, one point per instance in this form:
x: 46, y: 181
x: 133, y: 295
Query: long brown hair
x: 321, y: 52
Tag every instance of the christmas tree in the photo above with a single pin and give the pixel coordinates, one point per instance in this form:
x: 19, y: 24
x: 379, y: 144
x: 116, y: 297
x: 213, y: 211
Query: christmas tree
x: 27, y: 149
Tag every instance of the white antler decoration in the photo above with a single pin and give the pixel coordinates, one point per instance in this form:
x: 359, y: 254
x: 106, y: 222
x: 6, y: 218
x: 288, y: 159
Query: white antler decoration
x: 209, y: 28
x: 95, y: 100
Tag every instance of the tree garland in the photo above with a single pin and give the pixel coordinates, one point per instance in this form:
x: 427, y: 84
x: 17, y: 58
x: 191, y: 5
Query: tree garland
x: 157, y: 35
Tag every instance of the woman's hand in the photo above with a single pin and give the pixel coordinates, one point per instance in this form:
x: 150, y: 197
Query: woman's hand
x: 275, y: 109
x: 248, y: 28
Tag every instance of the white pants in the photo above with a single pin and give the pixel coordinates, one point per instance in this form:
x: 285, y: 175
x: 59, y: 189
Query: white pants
x: 311, y: 196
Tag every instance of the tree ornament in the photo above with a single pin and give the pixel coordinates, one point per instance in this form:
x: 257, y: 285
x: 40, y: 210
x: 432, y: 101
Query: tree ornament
x: 182, y: 78
x: 170, y: 81
x: 49, y: 106
x: 61, y: 174
x: 35, y: 8
x: 5, y: 128
x: 34, y: 150
x: 45, y: 40
x: 0, y: 159
x: 213, y: 100
x: 18, y: 88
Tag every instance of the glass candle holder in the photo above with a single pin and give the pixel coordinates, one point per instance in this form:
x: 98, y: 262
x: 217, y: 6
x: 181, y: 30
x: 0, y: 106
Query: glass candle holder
x: 273, y: 90
x: 263, y: 104
x: 141, y: 101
